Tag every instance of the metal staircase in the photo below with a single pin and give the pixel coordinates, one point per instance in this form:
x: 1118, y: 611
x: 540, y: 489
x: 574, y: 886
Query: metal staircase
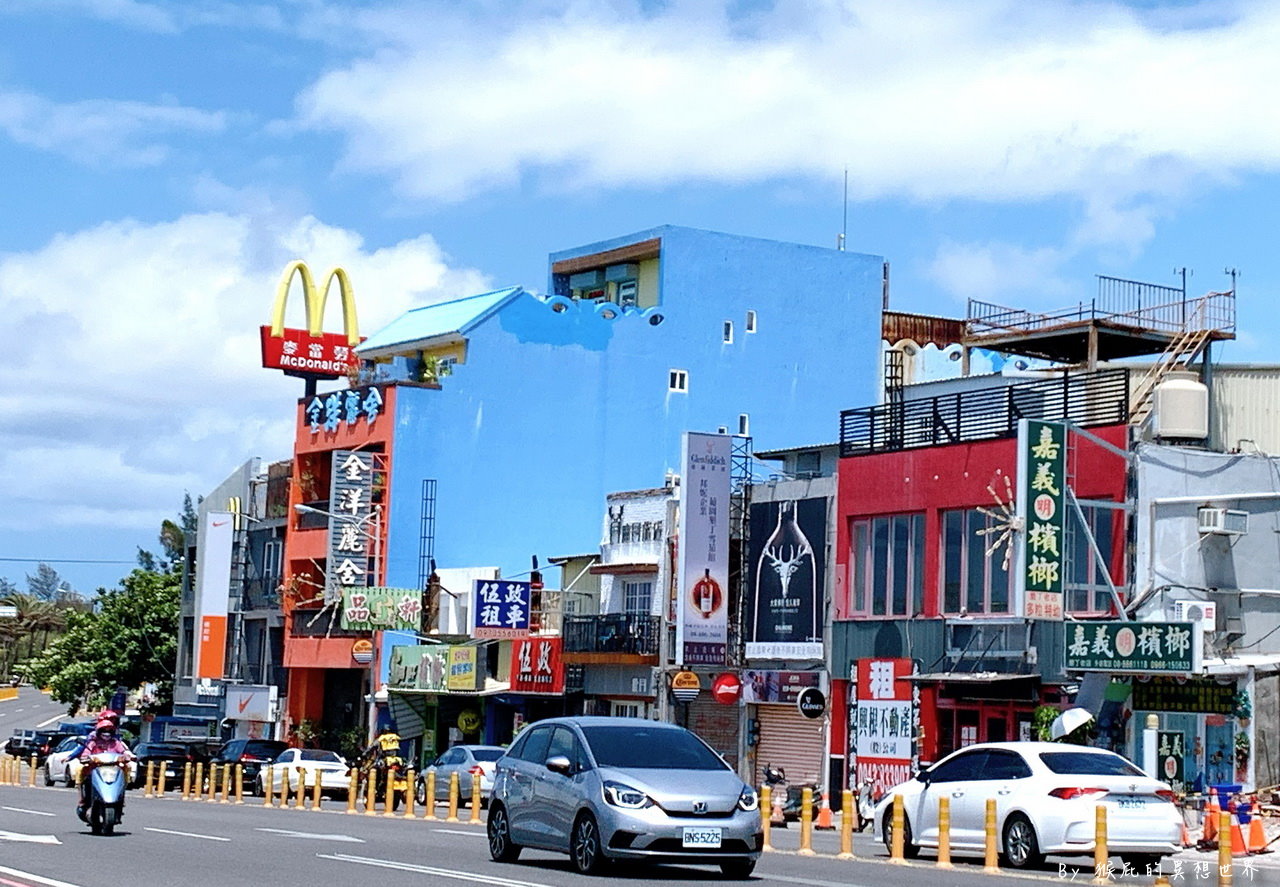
x: 1182, y: 349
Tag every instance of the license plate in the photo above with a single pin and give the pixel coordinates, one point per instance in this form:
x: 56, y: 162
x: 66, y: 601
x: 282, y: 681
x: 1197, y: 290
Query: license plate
x: 1132, y: 803
x: 701, y: 837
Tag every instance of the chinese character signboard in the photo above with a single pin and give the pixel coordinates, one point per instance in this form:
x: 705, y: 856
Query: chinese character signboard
x: 1042, y: 500
x: 352, y: 539
x: 1185, y: 695
x: 1161, y: 647
x: 326, y: 356
x: 424, y: 667
x: 501, y: 608
x: 463, y: 672
x: 536, y: 666
x: 1171, y: 755
x: 702, y: 604
x: 329, y: 411
x: 883, y: 714
x: 371, y: 609
x: 787, y: 574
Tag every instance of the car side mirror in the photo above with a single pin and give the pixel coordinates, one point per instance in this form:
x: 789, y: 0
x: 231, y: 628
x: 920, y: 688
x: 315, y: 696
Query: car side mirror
x: 559, y: 764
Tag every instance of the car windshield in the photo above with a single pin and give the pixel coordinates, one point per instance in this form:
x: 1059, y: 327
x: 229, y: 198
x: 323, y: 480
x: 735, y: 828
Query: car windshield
x: 321, y: 757
x: 1088, y: 764
x: 487, y: 754
x: 650, y: 748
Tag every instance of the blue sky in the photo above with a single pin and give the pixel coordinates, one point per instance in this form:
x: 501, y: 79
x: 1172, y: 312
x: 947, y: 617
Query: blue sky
x: 162, y: 161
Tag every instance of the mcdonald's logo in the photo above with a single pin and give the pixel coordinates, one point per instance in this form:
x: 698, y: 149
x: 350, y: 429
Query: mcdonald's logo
x: 311, y: 352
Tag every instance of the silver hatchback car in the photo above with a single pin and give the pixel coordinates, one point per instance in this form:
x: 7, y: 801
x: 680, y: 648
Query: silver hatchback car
x: 604, y: 788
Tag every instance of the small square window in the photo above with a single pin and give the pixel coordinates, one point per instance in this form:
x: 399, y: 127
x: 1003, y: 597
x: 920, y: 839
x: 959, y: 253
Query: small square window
x: 751, y: 321
x: 728, y: 332
x: 678, y: 380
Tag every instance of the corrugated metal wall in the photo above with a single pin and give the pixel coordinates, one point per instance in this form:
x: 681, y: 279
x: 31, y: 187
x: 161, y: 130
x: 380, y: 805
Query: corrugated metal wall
x: 1246, y: 407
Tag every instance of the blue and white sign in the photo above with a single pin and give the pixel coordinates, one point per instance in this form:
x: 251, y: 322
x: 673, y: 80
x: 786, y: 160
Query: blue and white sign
x: 501, y: 608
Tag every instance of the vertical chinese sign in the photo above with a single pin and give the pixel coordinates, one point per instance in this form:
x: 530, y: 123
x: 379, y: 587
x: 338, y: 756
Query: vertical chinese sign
x: 501, y: 608
x: 702, y: 604
x: 883, y: 714
x: 536, y: 666
x: 352, y: 541
x: 1042, y: 499
x: 213, y: 587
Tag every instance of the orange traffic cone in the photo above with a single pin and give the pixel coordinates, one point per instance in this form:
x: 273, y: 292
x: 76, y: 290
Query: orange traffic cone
x: 1186, y: 835
x: 1211, y: 811
x: 776, y: 816
x: 1257, y: 841
x: 1238, y: 846
x: 824, y: 814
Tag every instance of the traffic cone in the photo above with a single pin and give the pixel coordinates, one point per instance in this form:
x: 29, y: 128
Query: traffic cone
x: 824, y: 815
x: 1256, y: 840
x: 1211, y: 811
x: 1238, y: 846
x: 1186, y: 835
x: 776, y: 816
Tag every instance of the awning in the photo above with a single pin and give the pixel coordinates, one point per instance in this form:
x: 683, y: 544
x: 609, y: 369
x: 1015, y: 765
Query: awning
x: 491, y: 688
x: 622, y: 569
x: 969, y: 677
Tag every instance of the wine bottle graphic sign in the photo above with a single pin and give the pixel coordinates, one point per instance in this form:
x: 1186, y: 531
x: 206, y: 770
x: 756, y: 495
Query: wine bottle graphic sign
x: 702, y: 606
x: 784, y: 612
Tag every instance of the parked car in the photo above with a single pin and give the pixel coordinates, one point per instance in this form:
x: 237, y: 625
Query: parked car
x: 295, y: 763
x: 20, y: 743
x: 56, y: 764
x: 171, y: 755
x: 47, y: 740
x: 1046, y: 796
x: 602, y: 788
x: 250, y: 753
x: 467, y: 761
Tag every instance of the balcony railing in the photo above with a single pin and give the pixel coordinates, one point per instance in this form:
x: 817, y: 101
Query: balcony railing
x: 1098, y: 398
x: 612, y: 633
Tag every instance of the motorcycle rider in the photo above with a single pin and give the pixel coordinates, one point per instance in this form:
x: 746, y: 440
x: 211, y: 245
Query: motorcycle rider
x: 383, y: 754
x: 103, y: 740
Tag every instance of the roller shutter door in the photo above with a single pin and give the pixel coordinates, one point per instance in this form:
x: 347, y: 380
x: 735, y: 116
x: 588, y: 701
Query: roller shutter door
x: 791, y: 741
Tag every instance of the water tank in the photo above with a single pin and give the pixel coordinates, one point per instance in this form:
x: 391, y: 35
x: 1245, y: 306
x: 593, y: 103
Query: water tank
x: 1181, y: 406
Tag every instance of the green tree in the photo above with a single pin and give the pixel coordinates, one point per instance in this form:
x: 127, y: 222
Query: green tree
x: 44, y: 583
x: 131, y: 639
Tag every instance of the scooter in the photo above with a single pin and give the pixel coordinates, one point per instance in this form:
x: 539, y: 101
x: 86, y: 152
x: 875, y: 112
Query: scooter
x: 108, y: 779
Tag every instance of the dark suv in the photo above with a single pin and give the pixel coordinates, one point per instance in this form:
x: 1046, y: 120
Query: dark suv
x: 250, y: 753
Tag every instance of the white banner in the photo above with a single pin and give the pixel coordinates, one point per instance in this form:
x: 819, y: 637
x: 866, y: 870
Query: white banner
x: 702, y: 594
x: 213, y: 586
x: 250, y: 703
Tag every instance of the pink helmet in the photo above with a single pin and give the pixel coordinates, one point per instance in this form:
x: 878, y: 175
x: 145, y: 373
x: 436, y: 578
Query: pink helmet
x: 105, y: 724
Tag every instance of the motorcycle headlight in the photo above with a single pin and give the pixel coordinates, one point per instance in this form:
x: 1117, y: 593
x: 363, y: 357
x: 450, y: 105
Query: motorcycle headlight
x: 748, y: 800
x: 625, y: 796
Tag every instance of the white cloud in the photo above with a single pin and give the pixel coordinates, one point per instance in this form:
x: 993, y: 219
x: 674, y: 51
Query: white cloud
x: 997, y: 100
x: 992, y: 272
x: 134, y: 364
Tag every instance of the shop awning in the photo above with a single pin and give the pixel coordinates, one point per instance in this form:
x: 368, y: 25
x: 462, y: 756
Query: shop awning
x: 491, y: 688
x: 622, y: 569
x: 1239, y: 665
x: 969, y: 677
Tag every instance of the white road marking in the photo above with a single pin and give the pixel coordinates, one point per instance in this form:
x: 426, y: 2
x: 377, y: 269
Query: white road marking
x: 28, y: 839
x: 810, y: 882
x: 50, y: 721
x: 431, y: 870
x: 454, y: 831
x: 165, y: 831
x: 30, y: 877
x: 287, y: 833
x: 25, y: 810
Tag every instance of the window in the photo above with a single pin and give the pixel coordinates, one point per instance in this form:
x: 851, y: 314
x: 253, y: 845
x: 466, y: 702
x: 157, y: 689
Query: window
x: 809, y: 463
x: 625, y: 710
x: 1085, y: 763
x: 728, y: 332
x: 678, y: 380
x: 566, y: 744
x: 886, y: 575
x: 961, y: 768
x: 637, y: 597
x: 972, y: 583
x: 271, y: 557
x: 1086, y: 576
x: 1005, y: 765
x: 660, y: 747
x: 751, y: 321
x: 534, y: 748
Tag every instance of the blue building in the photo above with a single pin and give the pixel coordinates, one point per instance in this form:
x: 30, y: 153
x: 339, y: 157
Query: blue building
x: 550, y: 402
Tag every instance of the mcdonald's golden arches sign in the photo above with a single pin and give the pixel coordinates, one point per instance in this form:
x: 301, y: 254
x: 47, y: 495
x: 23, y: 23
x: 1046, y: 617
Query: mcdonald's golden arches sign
x: 312, y: 352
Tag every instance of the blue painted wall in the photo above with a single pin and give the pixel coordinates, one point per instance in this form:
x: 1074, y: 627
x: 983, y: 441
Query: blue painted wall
x: 553, y: 410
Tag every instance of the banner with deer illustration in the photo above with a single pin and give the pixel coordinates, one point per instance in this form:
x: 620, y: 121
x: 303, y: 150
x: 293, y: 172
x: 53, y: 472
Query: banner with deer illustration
x: 787, y: 578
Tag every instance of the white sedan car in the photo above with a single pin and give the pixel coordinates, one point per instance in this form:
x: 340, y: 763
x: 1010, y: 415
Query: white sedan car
x: 56, y: 766
x: 1046, y: 797
x: 295, y: 764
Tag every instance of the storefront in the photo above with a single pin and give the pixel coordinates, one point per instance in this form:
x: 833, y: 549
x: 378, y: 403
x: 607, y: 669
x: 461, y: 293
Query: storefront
x: 785, y: 738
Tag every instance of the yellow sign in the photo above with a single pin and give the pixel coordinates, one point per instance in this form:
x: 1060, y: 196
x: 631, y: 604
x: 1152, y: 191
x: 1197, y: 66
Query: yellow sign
x: 463, y: 674
x: 469, y: 721
x: 315, y: 301
x: 362, y: 651
x: 685, y: 686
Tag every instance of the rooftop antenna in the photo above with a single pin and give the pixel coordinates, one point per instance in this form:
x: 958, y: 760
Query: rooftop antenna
x: 844, y: 224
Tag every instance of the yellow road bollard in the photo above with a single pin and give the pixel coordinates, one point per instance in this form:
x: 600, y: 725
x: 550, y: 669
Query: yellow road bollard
x: 806, y: 822
x: 148, y: 783
x: 197, y: 787
x: 353, y: 789
x: 1100, y: 853
x: 389, y: 801
x: 897, y: 842
x: 453, y: 797
x: 161, y: 779
x: 239, y: 783
x: 212, y: 789
x: 847, y: 815
x: 300, y: 799
x: 475, y: 799
x: 409, y: 793
x: 766, y: 807
x: 944, y: 832
x: 284, y: 787
x: 225, y: 797
x: 31, y: 780
x: 991, y: 861
x: 316, y: 793
x: 268, y: 777
x: 430, y: 812
x: 1226, y: 877
x: 186, y: 781
x: 371, y: 793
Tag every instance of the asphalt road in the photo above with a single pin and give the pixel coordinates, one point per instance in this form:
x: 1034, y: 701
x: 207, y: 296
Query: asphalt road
x: 32, y: 709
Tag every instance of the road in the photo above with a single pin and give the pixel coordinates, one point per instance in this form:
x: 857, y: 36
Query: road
x: 32, y: 709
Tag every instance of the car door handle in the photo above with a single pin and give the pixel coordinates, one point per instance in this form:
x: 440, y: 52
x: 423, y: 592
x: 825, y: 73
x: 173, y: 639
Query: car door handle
x: 1003, y: 791
x: 957, y: 794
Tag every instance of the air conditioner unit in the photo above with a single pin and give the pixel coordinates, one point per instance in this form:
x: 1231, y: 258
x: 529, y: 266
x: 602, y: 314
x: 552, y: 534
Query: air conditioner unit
x: 1206, y: 614
x: 1223, y: 521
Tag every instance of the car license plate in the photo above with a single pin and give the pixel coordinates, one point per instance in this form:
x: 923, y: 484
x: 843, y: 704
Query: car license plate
x: 1132, y: 802
x: 701, y: 837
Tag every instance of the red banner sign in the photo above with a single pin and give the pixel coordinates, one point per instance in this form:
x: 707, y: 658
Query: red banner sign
x: 883, y: 721
x: 328, y: 355
x: 536, y: 666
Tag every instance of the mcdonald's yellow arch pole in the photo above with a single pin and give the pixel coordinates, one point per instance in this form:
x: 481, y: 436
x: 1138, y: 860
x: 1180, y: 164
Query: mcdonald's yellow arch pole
x: 311, y: 351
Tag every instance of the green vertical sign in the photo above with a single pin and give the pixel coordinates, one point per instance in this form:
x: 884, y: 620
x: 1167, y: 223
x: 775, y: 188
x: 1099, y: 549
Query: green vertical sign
x: 1042, y: 486
x: 1171, y: 755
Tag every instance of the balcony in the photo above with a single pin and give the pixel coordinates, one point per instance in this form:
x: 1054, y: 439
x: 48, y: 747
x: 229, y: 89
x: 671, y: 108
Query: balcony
x: 611, y: 638
x: 1098, y: 398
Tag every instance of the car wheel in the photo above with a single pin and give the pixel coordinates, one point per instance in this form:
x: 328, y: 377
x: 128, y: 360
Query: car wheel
x: 420, y: 793
x: 48, y: 777
x: 1142, y: 863
x: 66, y: 778
x: 909, y: 850
x: 584, y: 846
x: 738, y: 868
x: 1021, y: 849
x: 501, y: 847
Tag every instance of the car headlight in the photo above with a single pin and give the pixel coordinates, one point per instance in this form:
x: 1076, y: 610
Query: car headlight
x: 748, y: 800
x: 620, y: 795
